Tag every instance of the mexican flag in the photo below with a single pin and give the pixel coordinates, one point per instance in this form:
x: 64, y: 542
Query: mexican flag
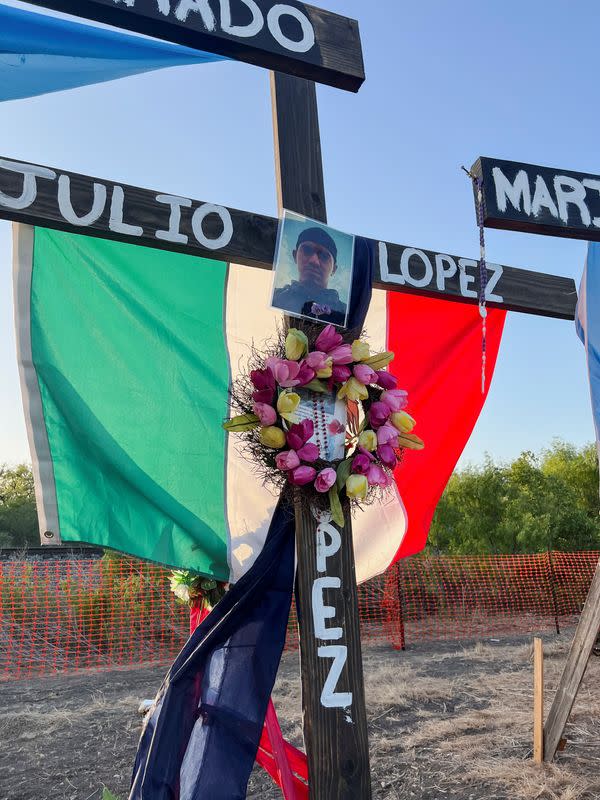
x: 126, y: 355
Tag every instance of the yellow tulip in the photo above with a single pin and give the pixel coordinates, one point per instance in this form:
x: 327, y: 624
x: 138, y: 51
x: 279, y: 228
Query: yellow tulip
x: 379, y: 361
x: 403, y: 421
x: 287, y: 404
x: 357, y: 486
x: 296, y: 344
x: 272, y: 437
x: 368, y: 440
x: 353, y: 390
x: 327, y: 371
x: 360, y: 350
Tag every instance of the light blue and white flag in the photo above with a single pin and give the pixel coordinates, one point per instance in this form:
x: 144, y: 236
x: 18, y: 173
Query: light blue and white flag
x: 587, y: 321
x: 41, y: 54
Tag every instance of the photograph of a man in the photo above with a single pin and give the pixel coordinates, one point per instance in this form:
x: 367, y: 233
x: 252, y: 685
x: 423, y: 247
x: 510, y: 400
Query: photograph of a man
x: 313, y: 270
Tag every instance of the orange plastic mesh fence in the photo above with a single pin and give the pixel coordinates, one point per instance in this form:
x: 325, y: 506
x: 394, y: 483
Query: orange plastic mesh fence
x: 101, y: 613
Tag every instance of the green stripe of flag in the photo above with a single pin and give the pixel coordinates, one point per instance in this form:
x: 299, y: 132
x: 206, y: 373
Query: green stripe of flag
x: 131, y: 358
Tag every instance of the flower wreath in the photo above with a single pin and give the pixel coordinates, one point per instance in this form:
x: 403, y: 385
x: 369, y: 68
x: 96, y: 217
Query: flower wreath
x: 278, y: 442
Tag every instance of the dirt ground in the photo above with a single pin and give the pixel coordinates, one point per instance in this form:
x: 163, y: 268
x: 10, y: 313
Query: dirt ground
x: 445, y: 721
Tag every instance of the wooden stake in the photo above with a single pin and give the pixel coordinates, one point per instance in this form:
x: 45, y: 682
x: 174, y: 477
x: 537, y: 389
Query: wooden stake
x: 574, y: 670
x: 538, y: 700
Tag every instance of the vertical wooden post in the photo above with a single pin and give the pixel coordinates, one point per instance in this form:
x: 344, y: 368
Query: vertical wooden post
x: 538, y: 700
x: 574, y: 670
x: 335, y: 719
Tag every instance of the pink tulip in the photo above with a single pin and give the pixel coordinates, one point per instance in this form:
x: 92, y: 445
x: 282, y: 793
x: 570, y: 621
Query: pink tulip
x: 386, y: 380
x: 379, y: 413
x: 396, y: 399
x: 302, y: 475
x: 325, y: 480
x: 361, y: 464
x: 263, y: 379
x: 305, y: 374
x: 342, y: 354
x: 387, y: 456
x: 263, y: 396
x: 328, y: 339
x: 317, y: 360
x: 364, y: 374
x: 309, y: 453
x: 285, y: 372
x: 340, y: 374
x: 387, y: 434
x: 265, y: 413
x: 299, y: 434
x: 378, y: 477
x: 287, y: 461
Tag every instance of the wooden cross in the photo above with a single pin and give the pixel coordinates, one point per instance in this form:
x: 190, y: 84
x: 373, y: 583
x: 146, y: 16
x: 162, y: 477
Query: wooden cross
x: 310, y: 44
x: 554, y: 202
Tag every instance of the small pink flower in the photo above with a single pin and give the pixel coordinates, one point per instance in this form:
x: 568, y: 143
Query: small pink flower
x: 342, y: 354
x: 386, y: 380
x: 335, y: 427
x: 364, y: 374
x: 340, y: 374
x: 309, y: 453
x: 387, y: 434
x: 302, y: 475
x: 328, y: 339
x: 325, y: 480
x: 396, y: 399
x: 263, y: 379
x: 265, y: 413
x: 361, y: 464
x: 299, y: 434
x: 290, y: 373
x: 263, y: 396
x: 387, y: 456
x: 305, y: 374
x: 378, y: 477
x: 316, y: 360
x: 379, y: 413
x: 287, y: 461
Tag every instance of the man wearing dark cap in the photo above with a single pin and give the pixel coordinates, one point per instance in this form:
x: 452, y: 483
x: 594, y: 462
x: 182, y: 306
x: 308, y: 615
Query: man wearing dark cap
x: 316, y: 260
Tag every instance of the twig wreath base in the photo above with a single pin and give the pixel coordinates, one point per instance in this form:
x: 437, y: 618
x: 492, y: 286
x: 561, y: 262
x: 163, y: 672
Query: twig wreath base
x: 280, y: 445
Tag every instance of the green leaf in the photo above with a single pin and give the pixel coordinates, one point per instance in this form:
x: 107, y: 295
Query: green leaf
x: 245, y: 422
x: 337, y: 513
x: 343, y: 471
x: 410, y: 441
x: 108, y: 795
x: 317, y: 386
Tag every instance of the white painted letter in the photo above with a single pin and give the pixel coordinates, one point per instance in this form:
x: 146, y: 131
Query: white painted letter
x: 115, y: 222
x: 496, y: 271
x: 329, y: 697
x: 176, y: 203
x: 66, y: 206
x: 570, y: 191
x: 325, y: 551
x: 244, y: 31
x: 465, y: 279
x: 198, y: 218
x: 200, y: 7
x: 308, y: 33
x: 321, y: 612
x: 512, y: 191
x: 384, y: 266
x: 590, y: 183
x: 543, y: 198
x: 29, y: 191
x: 405, y: 268
x: 441, y: 273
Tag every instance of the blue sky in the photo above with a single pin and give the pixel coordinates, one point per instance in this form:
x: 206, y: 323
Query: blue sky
x: 446, y: 82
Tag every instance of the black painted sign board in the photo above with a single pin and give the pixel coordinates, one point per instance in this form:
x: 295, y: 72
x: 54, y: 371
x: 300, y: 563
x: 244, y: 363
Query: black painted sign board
x: 53, y: 198
x: 534, y: 199
x: 290, y: 37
